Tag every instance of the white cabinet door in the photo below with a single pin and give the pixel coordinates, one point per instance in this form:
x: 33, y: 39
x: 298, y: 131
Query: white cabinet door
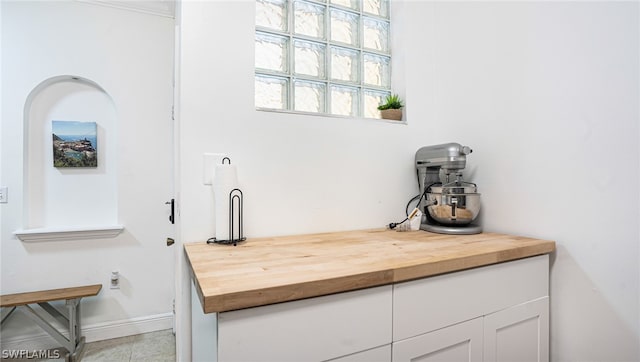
x: 518, y: 334
x: 457, y: 343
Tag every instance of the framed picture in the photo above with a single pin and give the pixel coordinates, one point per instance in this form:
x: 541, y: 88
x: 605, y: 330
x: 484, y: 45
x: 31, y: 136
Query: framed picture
x: 75, y: 144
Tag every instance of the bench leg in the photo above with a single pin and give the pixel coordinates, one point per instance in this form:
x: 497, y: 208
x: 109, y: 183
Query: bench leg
x: 54, y: 313
x: 75, y: 343
x: 59, y: 337
x: 73, y: 306
x: 7, y: 315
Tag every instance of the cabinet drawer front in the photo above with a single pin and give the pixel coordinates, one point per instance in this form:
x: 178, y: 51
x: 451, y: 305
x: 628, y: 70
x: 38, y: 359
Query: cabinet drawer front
x: 428, y: 304
x: 314, y: 329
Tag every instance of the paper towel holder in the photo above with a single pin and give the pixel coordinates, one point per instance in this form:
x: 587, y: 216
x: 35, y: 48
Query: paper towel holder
x: 235, y: 198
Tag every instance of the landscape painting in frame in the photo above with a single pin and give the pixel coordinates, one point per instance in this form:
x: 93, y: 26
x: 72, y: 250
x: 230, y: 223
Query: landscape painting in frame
x: 75, y: 144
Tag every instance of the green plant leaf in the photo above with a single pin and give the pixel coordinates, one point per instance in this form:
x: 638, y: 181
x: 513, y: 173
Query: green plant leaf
x: 392, y: 101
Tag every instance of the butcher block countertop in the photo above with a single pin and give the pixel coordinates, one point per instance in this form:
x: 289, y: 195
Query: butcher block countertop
x: 263, y: 271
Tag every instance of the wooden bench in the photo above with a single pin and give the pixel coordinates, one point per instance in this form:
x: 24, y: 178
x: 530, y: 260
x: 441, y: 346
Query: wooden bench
x: 72, y: 296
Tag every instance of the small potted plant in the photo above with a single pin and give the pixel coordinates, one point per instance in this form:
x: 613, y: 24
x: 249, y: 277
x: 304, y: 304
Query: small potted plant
x: 391, y: 108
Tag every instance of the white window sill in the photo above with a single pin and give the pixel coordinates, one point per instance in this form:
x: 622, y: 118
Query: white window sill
x: 330, y: 115
x: 64, y: 234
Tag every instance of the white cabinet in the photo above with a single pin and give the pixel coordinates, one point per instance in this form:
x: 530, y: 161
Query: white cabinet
x: 458, y: 343
x: 496, y: 313
x: 428, y: 304
x: 516, y: 334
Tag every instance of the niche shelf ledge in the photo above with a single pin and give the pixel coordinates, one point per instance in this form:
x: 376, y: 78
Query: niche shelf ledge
x: 64, y: 234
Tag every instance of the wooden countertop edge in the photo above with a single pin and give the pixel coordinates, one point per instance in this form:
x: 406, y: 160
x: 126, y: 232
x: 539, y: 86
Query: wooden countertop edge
x: 469, y: 262
x: 290, y: 292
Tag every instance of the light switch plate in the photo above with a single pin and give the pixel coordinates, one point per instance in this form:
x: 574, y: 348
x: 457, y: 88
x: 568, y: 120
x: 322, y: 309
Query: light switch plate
x: 4, y: 197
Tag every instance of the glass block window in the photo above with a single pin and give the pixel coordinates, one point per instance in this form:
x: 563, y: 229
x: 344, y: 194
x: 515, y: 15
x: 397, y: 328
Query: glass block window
x: 323, y: 56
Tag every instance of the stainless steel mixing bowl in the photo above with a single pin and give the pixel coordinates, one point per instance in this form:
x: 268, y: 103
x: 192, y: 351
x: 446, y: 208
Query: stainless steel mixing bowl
x: 453, y: 205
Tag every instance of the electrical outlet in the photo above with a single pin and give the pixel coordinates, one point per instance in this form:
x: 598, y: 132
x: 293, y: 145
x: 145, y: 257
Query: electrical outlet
x: 4, y: 197
x: 115, y: 280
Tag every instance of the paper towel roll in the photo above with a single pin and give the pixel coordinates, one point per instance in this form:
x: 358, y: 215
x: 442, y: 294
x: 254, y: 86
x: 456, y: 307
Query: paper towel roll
x: 224, y: 180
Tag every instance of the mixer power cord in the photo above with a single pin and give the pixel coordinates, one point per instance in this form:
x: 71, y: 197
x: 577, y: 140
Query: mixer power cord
x: 419, y: 197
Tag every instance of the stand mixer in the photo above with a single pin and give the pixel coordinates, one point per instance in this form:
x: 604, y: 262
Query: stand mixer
x: 449, y: 204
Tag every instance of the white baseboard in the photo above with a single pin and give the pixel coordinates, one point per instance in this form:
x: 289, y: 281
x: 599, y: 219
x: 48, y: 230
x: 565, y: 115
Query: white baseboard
x: 99, y: 332
x: 94, y: 332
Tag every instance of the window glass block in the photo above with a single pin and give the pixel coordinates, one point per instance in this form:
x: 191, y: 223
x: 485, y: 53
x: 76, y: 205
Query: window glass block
x: 344, y: 27
x: 353, y: 4
x: 376, y: 35
x: 272, y: 14
x: 377, y: 70
x: 376, y: 7
x: 372, y: 100
x: 323, y: 56
x: 309, y: 96
x: 309, y: 58
x: 344, y: 64
x: 271, y: 52
x: 309, y: 19
x: 271, y: 92
x: 344, y: 101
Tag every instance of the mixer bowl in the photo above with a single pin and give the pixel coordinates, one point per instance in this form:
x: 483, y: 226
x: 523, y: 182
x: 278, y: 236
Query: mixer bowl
x: 453, y: 206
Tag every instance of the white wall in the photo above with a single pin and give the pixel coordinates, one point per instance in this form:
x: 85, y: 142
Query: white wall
x: 545, y: 93
x: 129, y: 55
x: 549, y: 94
x: 299, y: 173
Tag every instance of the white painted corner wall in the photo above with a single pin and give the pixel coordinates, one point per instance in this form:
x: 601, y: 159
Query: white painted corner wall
x: 546, y: 93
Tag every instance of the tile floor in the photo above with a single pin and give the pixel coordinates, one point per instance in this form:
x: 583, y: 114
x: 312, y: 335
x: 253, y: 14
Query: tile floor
x: 159, y: 346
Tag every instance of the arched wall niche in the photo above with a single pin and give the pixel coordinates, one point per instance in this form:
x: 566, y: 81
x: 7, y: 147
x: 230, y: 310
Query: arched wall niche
x: 69, y: 203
